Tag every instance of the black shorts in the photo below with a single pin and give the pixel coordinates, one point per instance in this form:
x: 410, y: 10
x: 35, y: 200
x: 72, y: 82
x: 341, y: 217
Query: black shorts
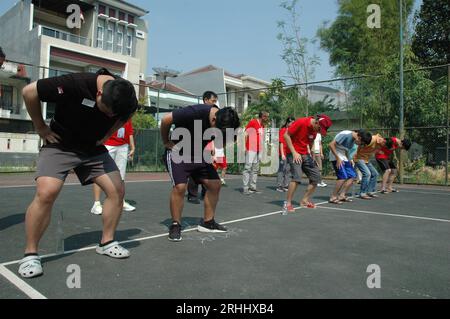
x: 308, y: 166
x: 179, y: 172
x: 385, y: 164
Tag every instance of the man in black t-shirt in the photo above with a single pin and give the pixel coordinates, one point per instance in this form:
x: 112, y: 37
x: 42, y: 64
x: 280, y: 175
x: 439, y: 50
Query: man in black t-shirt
x: 209, y: 98
x: 185, y: 159
x: 90, y: 107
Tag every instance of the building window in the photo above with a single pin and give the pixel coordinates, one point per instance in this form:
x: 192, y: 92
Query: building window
x: 6, y: 97
x: 130, y: 19
x: 110, y: 36
x: 249, y: 99
x: 112, y: 13
x: 100, y: 33
x: 121, y: 15
x: 129, y: 41
x: 119, y: 46
x: 101, y: 9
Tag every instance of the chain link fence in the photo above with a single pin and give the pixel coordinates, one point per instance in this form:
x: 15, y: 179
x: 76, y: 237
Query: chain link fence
x: 370, y: 102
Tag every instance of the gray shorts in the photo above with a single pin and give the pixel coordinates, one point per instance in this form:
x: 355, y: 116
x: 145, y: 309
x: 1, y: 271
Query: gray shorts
x: 54, y: 162
x: 308, y: 166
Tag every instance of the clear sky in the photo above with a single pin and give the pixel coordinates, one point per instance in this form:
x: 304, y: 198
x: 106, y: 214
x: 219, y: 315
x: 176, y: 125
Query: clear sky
x: 238, y: 35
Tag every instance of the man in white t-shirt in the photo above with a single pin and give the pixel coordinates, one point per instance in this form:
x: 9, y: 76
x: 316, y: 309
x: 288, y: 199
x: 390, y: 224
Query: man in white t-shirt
x: 318, y: 156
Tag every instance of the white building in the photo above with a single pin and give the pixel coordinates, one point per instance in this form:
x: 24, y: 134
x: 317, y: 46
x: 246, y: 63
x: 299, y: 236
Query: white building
x: 318, y: 93
x: 238, y: 90
x: 112, y: 34
x: 163, y: 98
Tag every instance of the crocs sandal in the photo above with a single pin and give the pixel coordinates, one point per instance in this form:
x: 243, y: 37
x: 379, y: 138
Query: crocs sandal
x: 308, y: 205
x: 290, y: 209
x: 113, y: 250
x: 30, y: 267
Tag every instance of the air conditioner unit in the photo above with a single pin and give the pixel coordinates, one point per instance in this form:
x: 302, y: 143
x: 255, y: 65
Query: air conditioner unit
x: 140, y: 34
x: 141, y: 77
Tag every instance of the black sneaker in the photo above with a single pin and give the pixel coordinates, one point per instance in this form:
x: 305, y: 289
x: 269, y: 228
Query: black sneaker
x: 175, y: 232
x: 211, y: 227
x: 193, y: 200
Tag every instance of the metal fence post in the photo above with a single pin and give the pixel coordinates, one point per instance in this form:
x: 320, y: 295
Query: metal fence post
x: 448, y: 131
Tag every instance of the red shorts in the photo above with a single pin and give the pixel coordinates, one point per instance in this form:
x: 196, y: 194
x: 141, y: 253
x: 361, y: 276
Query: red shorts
x: 220, y: 163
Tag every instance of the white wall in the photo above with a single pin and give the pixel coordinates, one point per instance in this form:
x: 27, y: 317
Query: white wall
x: 19, y: 143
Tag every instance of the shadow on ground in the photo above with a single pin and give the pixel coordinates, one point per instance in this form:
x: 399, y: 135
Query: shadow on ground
x: 11, y: 220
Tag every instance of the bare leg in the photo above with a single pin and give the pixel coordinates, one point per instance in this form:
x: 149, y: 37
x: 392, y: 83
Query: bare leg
x: 385, y: 180
x: 177, y: 202
x: 97, y: 192
x: 114, y: 189
x: 309, y: 191
x: 337, y: 189
x: 39, y: 212
x: 224, y: 172
x: 291, y: 190
x: 211, y: 198
x: 343, y: 193
x: 391, y: 180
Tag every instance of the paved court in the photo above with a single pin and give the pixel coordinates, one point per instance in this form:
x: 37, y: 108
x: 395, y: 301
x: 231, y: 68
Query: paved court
x: 321, y: 253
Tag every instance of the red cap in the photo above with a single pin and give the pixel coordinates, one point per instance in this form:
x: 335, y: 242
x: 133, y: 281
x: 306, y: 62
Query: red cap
x: 325, y: 123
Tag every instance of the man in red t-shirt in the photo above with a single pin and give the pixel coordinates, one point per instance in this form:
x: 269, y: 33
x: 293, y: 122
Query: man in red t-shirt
x: 385, y: 161
x: 254, y: 141
x: 121, y: 148
x: 300, y: 138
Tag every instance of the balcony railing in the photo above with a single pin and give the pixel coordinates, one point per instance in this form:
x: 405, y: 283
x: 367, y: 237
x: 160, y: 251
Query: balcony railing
x: 66, y: 36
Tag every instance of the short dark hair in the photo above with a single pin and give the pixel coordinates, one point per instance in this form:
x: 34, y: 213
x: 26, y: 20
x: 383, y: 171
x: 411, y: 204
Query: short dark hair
x: 227, y: 117
x: 119, y: 95
x: 2, y: 54
x: 289, y: 120
x: 208, y: 95
x: 406, y: 143
x: 365, y: 136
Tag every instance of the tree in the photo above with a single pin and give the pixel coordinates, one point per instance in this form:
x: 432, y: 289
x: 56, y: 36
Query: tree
x: 143, y: 120
x: 280, y: 101
x: 295, y: 54
x: 431, y: 41
x: 355, y: 48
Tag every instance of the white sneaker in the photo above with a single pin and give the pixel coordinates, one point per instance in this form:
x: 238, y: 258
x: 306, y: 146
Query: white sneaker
x: 223, y: 181
x: 127, y: 207
x: 97, y: 208
x: 322, y: 184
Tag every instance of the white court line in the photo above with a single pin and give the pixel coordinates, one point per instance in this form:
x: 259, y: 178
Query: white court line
x: 149, y: 237
x: 432, y: 193
x: 19, y: 283
x: 387, y: 214
x: 33, y: 293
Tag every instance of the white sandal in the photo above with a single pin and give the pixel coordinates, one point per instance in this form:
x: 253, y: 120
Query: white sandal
x: 30, y: 266
x: 113, y: 250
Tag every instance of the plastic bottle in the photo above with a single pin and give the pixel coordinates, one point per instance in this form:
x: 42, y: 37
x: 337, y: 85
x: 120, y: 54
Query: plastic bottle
x: 284, y: 211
